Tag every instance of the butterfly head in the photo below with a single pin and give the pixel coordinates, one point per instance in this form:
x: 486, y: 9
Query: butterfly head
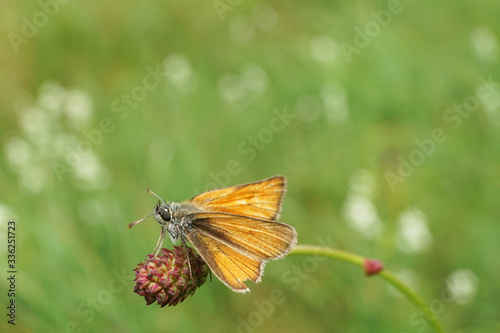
x: 163, y: 213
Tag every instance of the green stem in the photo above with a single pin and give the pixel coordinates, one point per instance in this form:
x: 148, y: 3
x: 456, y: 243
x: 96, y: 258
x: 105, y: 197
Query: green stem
x: 385, y: 274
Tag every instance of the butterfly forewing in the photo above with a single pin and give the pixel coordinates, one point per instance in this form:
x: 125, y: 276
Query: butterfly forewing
x: 260, y: 200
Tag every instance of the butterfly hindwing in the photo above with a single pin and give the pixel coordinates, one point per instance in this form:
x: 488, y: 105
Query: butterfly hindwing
x: 256, y: 238
x: 229, y: 265
x: 236, y: 248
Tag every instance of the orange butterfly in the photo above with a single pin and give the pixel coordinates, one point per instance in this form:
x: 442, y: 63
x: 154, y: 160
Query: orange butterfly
x: 234, y: 229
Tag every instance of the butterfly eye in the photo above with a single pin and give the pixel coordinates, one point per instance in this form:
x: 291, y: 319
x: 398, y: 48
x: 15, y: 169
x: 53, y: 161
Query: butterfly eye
x: 165, y: 215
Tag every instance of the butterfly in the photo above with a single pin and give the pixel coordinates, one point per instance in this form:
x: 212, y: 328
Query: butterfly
x: 234, y: 229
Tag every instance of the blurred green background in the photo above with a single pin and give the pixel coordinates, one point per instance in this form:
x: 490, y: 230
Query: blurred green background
x: 377, y: 113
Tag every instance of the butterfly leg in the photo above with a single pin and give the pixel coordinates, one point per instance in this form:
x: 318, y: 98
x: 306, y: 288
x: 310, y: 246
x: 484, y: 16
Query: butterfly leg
x: 160, y: 241
x: 185, y: 247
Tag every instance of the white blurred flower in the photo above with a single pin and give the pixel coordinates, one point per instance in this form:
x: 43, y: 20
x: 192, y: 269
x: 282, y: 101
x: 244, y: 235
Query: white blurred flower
x: 18, y: 153
x: 265, y: 17
x: 491, y: 105
x: 35, y: 123
x: 51, y: 97
x: 6, y: 214
x: 241, y: 29
x: 24, y: 160
x: 359, y: 210
x: 413, y: 236
x: 79, y: 108
x: 462, y: 284
x: 92, y: 174
x: 361, y: 215
x: 324, y: 49
x: 255, y: 79
x: 230, y: 87
x: 47, y: 141
x: 485, y: 44
x: 180, y: 74
x: 242, y: 90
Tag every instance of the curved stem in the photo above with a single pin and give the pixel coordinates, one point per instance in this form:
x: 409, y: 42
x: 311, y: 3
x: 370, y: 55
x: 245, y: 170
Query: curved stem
x: 385, y: 274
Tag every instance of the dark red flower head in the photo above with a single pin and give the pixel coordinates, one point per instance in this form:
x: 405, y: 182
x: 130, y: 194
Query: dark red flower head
x: 169, y: 278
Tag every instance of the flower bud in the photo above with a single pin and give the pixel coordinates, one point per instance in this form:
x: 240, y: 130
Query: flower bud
x: 372, y: 266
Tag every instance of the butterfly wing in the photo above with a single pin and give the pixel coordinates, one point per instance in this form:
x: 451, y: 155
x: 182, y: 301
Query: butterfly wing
x: 261, y: 200
x: 230, y: 266
x: 236, y: 247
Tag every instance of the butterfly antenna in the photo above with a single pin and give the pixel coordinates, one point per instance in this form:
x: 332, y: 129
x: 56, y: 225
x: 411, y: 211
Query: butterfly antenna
x: 139, y: 221
x: 156, y: 195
